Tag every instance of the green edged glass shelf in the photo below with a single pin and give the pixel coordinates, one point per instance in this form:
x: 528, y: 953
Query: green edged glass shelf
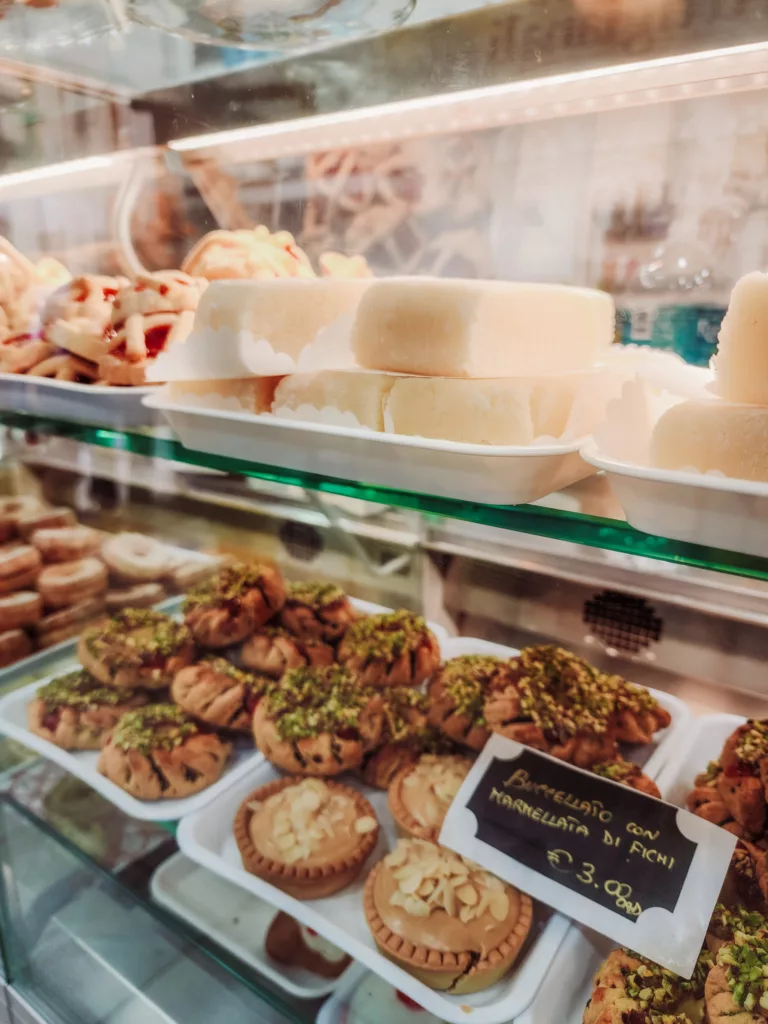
x: 539, y: 519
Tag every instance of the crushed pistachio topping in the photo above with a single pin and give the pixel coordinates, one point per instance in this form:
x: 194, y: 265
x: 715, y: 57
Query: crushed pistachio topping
x: 254, y: 681
x: 467, y: 679
x: 711, y: 773
x: 658, y: 990
x: 138, y: 632
x: 316, y: 595
x: 405, y: 711
x: 230, y: 583
x: 753, y: 744
x: 78, y: 690
x: 384, y: 636
x: 746, y: 963
x: 311, y: 701
x: 617, y: 771
x: 728, y: 921
x: 157, y: 726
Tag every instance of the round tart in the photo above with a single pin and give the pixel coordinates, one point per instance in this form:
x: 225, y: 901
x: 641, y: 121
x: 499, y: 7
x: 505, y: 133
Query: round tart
x: 420, y: 794
x: 446, y: 921
x: 318, y: 721
x: 216, y: 692
x: 308, y: 837
x: 160, y: 753
x: 274, y: 651
x: 136, y: 647
x: 77, y: 712
x: 393, y: 649
x: 318, y: 611
x: 457, y: 693
x: 232, y: 604
x: 627, y: 774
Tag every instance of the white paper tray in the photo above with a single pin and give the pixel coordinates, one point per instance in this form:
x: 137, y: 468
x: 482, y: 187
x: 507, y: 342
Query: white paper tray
x: 568, y: 985
x: 699, y: 508
x: 377, y: 1001
x: 81, y: 403
x: 470, y: 472
x: 240, y: 925
x: 207, y: 838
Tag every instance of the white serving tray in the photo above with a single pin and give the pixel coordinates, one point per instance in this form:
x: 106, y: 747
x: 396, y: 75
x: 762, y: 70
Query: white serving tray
x: 471, y: 472
x: 81, y: 403
x: 379, y: 1003
x: 568, y: 985
x: 240, y: 925
x: 207, y: 838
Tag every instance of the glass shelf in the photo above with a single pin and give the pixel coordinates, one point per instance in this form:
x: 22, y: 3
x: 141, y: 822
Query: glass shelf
x: 539, y: 520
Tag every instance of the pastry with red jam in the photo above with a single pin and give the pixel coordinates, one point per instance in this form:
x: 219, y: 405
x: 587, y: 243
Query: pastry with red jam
x: 160, y: 753
x: 137, y: 647
x: 77, y: 712
x: 743, y: 782
x: 76, y: 316
x: 318, y: 721
x: 230, y: 606
x: 273, y: 651
x: 391, y: 649
x: 214, y: 691
x: 317, y: 611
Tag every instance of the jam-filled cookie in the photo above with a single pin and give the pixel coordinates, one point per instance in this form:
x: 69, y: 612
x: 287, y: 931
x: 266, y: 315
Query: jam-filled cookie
x: 273, y: 651
x: 393, y: 649
x: 77, y: 712
x: 137, y: 647
x: 317, y: 611
x: 232, y: 604
x: 318, y: 721
x: 160, y: 753
x: 214, y: 691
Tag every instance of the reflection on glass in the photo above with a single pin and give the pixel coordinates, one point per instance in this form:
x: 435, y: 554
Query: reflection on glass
x: 29, y: 27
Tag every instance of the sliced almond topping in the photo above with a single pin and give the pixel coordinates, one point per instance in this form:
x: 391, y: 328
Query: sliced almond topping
x: 449, y: 901
x: 397, y: 857
x: 427, y: 887
x: 466, y: 914
x: 467, y: 894
x: 397, y: 899
x: 411, y: 883
x: 416, y: 907
x: 365, y: 825
x: 286, y: 842
x: 499, y: 905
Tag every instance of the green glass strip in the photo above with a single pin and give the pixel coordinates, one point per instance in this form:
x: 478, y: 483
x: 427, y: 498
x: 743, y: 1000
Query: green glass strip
x: 592, y: 531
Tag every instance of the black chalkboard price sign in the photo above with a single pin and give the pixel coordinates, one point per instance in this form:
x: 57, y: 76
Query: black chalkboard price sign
x: 640, y: 870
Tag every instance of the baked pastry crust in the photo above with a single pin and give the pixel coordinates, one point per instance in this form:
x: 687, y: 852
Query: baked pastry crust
x: 627, y: 774
x: 274, y: 651
x: 76, y: 712
x: 421, y: 793
x: 232, y: 604
x: 216, y: 692
x: 160, y: 753
x: 457, y: 693
x: 318, y: 721
x: 457, y: 971
x: 317, y: 611
x: 137, y: 647
x: 392, y: 649
x: 323, y: 876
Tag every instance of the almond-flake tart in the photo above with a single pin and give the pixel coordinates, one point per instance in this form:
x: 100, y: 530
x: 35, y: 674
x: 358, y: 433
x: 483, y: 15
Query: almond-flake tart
x: 420, y: 794
x: 443, y: 919
x: 77, y: 712
x: 318, y: 721
x: 457, y: 693
x: 160, y: 753
x: 308, y: 837
x: 318, y: 611
x: 273, y: 651
x: 216, y: 692
x: 137, y: 647
x: 392, y: 649
x: 231, y: 605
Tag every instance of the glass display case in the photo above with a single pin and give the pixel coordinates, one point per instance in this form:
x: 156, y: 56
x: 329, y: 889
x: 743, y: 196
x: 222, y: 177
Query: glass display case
x: 347, y: 351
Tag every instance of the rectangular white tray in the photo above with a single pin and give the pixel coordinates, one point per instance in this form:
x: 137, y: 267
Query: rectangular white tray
x: 81, y: 403
x: 470, y: 472
x: 699, y: 508
x: 380, y: 1003
x: 238, y: 924
x: 207, y: 838
x: 568, y: 984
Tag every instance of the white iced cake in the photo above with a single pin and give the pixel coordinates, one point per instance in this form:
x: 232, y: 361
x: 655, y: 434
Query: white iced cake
x: 741, y: 364
x: 258, y: 328
x: 712, y: 435
x: 252, y: 394
x: 454, y: 328
x: 336, y: 397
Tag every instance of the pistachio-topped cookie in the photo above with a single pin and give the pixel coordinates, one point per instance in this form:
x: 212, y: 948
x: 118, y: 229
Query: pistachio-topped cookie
x: 273, y: 651
x: 627, y: 774
x: 457, y: 695
x: 137, y: 647
x: 736, y: 990
x: 743, y: 782
x: 317, y: 611
x: 729, y: 921
x: 159, y: 752
x: 318, y: 721
x: 392, y: 649
x: 215, y: 691
x: 76, y: 712
x: 407, y: 735
x: 229, y: 606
